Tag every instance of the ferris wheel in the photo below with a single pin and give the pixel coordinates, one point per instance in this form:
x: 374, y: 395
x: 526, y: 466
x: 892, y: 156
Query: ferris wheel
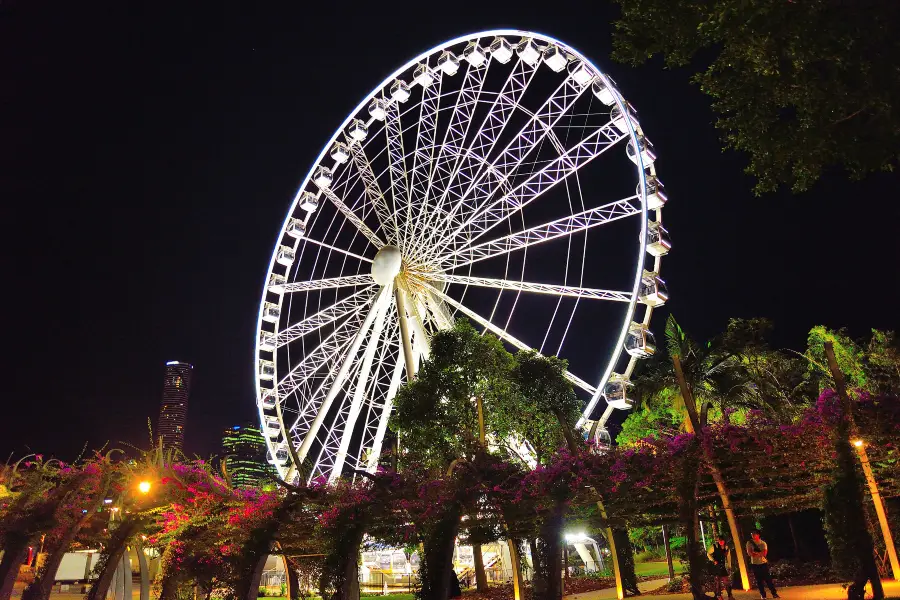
x: 499, y: 177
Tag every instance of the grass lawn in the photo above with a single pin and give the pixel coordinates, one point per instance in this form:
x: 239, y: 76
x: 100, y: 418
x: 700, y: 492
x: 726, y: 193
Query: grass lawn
x: 656, y: 568
x: 363, y: 597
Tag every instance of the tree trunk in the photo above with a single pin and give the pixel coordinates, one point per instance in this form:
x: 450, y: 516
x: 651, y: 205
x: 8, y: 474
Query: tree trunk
x: 547, y: 582
x: 42, y: 585
x: 113, y: 553
x: 669, y: 563
x: 696, y: 429
x: 687, y: 514
x: 346, y: 565
x: 15, y: 551
x: 861, y: 541
x: 625, y: 554
x: 794, y: 538
x: 481, y: 583
x: 291, y: 578
x: 250, y: 587
x: 535, y: 557
x: 437, y: 558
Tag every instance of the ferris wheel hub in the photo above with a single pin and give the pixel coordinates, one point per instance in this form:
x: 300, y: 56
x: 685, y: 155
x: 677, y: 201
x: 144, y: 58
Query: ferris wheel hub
x: 386, y: 265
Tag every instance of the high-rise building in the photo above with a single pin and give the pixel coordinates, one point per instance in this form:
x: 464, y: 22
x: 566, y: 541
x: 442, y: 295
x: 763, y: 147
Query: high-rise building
x: 174, y: 406
x: 244, y: 453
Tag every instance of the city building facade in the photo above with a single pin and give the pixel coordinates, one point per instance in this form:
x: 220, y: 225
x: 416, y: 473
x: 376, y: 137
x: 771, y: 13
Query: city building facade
x: 244, y: 455
x: 174, y: 406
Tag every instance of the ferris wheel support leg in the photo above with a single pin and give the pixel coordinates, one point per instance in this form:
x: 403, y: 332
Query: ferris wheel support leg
x: 358, y: 393
x: 385, y: 415
x: 342, y: 373
x: 404, y: 335
x: 607, y: 413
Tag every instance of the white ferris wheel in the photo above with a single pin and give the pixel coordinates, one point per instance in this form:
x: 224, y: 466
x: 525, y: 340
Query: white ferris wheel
x: 499, y: 177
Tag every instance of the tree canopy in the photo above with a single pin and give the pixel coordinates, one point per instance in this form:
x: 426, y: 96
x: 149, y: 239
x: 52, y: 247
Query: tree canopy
x: 799, y: 86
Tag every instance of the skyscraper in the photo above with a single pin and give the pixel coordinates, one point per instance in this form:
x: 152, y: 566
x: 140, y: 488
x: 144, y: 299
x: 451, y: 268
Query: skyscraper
x: 174, y: 405
x: 244, y: 453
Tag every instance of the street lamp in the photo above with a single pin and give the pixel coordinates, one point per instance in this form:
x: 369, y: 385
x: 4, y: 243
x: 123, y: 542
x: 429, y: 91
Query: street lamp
x: 144, y: 486
x: 858, y: 443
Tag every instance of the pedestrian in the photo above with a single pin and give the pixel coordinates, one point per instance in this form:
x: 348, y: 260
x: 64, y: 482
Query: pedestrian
x: 720, y: 555
x: 759, y: 562
x: 455, y: 592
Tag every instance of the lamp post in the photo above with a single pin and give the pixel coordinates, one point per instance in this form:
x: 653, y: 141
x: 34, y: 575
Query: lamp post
x: 879, y: 507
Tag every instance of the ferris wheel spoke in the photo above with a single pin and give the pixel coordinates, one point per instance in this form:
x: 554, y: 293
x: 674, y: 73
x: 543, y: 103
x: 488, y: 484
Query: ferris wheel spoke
x: 423, y: 156
x: 458, y: 127
x: 330, y: 314
x: 396, y: 376
x: 336, y: 249
x: 373, y: 191
x: 383, y: 297
x: 328, y: 283
x: 490, y: 215
x: 352, y: 217
x: 378, y: 390
x: 313, y: 360
x: 396, y: 165
x: 527, y: 139
x: 509, y: 338
x: 538, y: 288
x: 565, y: 226
x: 361, y: 383
x: 494, y: 123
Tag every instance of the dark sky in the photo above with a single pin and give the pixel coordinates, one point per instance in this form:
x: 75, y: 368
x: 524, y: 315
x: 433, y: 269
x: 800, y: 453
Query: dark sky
x: 148, y: 153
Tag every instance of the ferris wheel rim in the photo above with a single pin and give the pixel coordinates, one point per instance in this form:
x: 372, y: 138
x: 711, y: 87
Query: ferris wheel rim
x: 632, y: 136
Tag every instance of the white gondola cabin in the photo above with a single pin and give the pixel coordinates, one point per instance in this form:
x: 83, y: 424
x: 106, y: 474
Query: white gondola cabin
x: 602, y: 438
x: 501, y: 50
x: 423, y: 75
x: 656, y: 193
x: 268, y: 400
x: 339, y: 152
x: 640, y: 341
x: 378, y: 109
x: 281, y: 455
x: 448, y: 63
x: 529, y: 52
x: 580, y: 72
x: 276, y: 284
x: 273, y: 429
x: 308, y: 201
x: 358, y: 130
x: 266, y: 341
x: 653, y: 290
x: 555, y: 58
x: 658, y: 242
x: 400, y: 90
x: 474, y: 54
x: 604, y: 93
x: 617, y: 391
x: 285, y: 256
x: 271, y: 312
x: 296, y: 228
x: 323, y: 177
x: 620, y: 119
x: 648, y: 156
x: 266, y: 370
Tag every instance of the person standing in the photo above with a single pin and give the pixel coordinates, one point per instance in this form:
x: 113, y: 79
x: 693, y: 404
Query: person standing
x: 720, y: 555
x: 758, y: 551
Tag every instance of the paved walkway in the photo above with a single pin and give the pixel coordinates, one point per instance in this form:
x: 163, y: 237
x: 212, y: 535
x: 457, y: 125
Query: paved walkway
x: 833, y: 591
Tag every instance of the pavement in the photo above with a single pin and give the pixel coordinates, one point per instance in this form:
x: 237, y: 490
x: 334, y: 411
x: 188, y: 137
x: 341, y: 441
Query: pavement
x: 833, y: 591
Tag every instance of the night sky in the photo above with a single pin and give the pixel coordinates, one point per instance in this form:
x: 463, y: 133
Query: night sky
x: 148, y: 154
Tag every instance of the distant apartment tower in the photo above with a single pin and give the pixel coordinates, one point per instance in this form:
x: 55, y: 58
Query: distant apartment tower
x: 174, y: 406
x: 244, y: 453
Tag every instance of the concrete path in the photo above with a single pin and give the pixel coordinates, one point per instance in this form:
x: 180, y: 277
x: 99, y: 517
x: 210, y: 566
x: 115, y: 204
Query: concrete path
x: 832, y: 591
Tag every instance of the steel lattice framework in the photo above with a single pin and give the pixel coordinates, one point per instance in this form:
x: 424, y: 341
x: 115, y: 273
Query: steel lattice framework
x: 468, y: 183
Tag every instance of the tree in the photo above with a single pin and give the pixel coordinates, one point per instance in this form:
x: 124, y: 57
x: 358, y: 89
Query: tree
x: 799, y: 86
x: 442, y: 418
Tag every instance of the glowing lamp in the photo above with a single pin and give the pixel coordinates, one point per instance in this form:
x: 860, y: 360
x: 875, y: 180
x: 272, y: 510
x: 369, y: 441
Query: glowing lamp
x: 858, y: 443
x: 144, y: 487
